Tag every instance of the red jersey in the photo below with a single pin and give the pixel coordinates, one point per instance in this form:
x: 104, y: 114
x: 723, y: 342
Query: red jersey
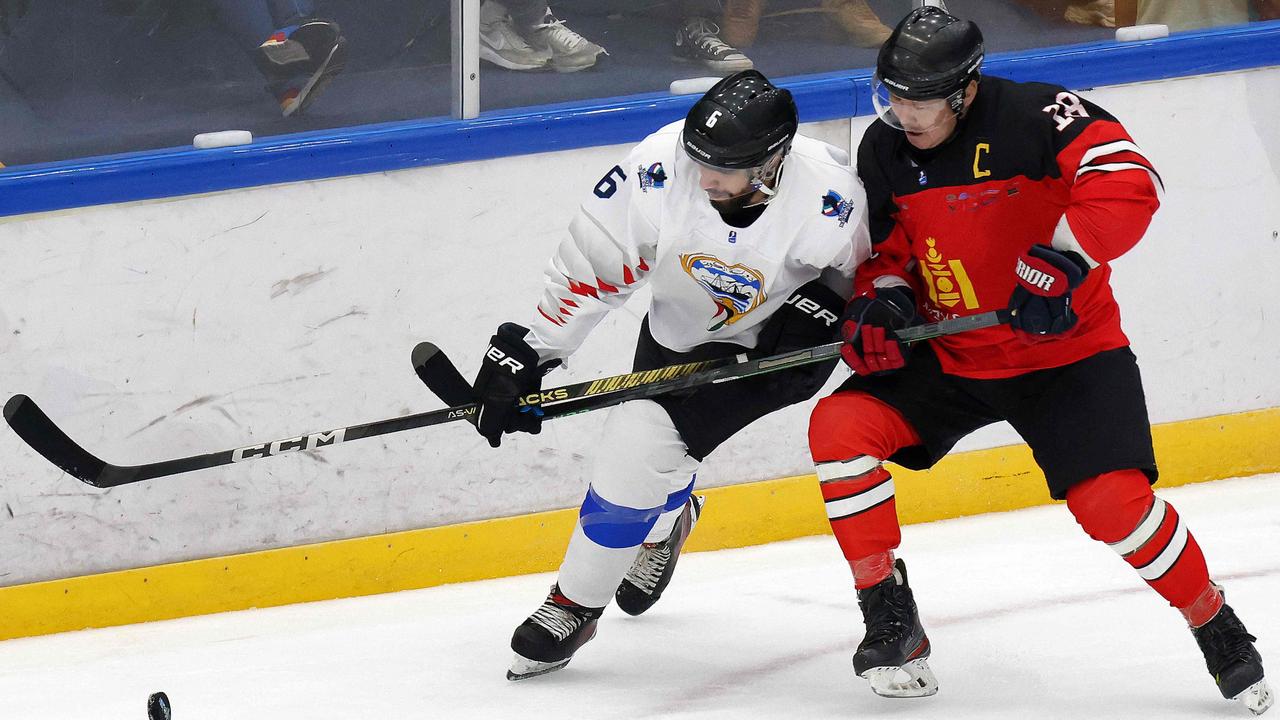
x: 1030, y: 164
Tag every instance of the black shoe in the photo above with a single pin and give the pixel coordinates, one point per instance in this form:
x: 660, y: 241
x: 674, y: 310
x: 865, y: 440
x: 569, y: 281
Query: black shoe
x: 1233, y: 661
x: 548, y: 639
x: 895, y: 639
x: 300, y: 60
x: 698, y: 41
x: 655, y: 563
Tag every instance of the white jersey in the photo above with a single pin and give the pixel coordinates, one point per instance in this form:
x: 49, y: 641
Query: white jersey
x: 649, y: 221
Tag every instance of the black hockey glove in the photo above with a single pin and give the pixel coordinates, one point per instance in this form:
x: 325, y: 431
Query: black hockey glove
x: 810, y: 317
x: 509, y: 372
x: 870, y: 345
x: 1041, y: 302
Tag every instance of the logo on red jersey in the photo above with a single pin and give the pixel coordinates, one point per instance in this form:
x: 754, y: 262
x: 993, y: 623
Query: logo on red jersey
x: 947, y: 280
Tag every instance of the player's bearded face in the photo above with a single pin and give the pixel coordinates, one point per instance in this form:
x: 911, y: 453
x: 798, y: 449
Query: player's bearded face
x: 722, y: 185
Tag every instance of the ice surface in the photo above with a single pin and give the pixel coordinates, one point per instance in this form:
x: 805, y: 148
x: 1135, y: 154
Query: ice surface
x: 1028, y: 619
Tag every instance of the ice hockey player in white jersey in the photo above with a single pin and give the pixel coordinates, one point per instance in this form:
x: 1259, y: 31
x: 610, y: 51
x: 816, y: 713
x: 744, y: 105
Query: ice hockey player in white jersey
x: 742, y: 229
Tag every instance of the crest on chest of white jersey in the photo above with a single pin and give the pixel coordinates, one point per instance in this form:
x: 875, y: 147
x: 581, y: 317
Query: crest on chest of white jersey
x: 739, y: 269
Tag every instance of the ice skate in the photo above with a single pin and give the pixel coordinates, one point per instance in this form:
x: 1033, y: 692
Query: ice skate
x: 547, y: 640
x: 656, y: 563
x: 893, y: 654
x: 1233, y: 661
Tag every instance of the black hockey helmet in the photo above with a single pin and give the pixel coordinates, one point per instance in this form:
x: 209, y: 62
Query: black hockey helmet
x: 740, y: 123
x: 931, y: 54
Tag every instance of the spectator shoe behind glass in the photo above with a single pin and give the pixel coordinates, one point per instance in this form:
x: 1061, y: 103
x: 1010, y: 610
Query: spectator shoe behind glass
x: 698, y: 41
x: 570, y: 52
x: 858, y: 19
x: 1092, y: 12
x: 741, y: 22
x: 505, y: 47
x: 300, y: 60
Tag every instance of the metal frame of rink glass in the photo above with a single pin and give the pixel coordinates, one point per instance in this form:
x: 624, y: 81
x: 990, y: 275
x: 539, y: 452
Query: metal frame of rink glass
x: 442, y: 377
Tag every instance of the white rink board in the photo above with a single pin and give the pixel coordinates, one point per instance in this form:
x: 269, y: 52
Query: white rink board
x: 160, y: 329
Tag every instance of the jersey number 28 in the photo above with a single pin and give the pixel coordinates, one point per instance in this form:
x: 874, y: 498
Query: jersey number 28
x: 1065, y: 109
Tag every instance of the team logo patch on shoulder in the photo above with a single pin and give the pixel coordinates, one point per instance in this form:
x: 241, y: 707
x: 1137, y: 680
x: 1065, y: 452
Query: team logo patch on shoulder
x: 652, y: 177
x: 835, y: 206
x: 735, y: 289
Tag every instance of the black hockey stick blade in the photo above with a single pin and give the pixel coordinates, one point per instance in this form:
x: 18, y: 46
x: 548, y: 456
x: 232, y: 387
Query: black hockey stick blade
x: 47, y: 439
x: 37, y: 430
x: 436, y: 371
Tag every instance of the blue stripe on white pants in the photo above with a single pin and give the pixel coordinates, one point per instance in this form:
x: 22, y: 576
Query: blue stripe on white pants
x: 642, y: 466
x: 670, y: 513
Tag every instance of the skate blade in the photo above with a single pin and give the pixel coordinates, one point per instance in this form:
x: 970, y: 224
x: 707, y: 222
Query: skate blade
x: 1257, y: 697
x: 523, y: 668
x: 920, y: 680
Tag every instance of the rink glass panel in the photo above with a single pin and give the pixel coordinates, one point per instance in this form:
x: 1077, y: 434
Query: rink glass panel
x: 97, y: 77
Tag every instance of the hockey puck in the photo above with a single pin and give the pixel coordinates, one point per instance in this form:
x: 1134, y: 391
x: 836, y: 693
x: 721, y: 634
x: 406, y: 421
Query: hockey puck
x: 158, y: 707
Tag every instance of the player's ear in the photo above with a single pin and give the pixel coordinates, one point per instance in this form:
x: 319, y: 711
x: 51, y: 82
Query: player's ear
x: 970, y: 92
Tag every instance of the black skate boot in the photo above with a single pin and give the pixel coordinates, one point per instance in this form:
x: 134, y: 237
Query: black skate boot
x: 548, y: 639
x: 895, y: 640
x: 656, y: 563
x: 1233, y: 662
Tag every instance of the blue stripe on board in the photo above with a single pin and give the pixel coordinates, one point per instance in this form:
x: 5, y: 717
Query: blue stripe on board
x: 608, y: 121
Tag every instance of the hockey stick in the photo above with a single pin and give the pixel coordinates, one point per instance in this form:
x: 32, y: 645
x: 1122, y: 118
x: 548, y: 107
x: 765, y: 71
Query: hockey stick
x: 442, y: 377
x: 46, y: 438
x: 34, y: 426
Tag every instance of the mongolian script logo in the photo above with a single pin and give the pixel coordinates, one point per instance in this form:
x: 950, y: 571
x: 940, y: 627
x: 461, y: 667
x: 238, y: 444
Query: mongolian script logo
x: 947, y: 280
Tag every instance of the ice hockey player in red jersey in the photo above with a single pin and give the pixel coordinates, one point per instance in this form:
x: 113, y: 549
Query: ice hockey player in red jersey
x: 741, y: 228
x: 987, y: 194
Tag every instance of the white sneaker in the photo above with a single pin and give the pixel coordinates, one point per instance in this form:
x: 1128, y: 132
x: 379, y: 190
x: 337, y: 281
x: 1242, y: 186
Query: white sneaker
x: 698, y: 40
x: 570, y: 52
x: 501, y: 45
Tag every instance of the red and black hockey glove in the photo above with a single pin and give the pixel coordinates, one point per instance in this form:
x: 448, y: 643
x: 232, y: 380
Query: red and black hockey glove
x: 509, y: 372
x: 1041, y: 303
x: 870, y: 345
